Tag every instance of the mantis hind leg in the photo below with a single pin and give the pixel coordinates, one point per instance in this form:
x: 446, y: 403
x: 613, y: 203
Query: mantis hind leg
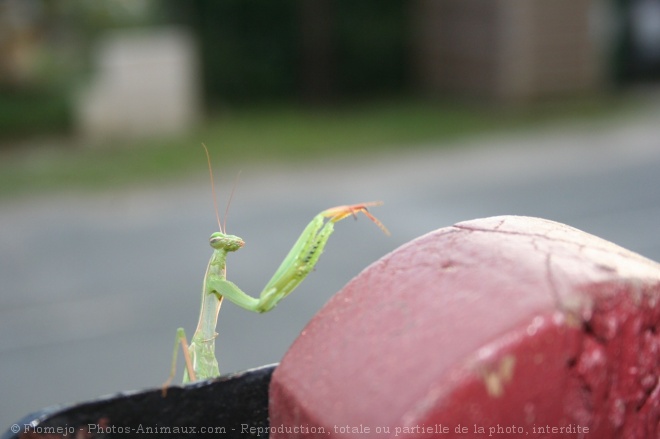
x: 182, y: 341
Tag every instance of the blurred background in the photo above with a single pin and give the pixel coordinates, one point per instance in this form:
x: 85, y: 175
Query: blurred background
x: 446, y: 110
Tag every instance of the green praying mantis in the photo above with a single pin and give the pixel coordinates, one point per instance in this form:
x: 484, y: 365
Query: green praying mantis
x: 200, y: 359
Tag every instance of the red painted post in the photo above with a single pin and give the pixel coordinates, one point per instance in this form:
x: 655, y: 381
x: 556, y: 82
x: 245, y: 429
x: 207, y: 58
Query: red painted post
x: 500, y: 326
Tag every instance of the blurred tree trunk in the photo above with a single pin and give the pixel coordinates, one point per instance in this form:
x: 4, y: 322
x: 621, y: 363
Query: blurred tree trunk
x: 318, y: 56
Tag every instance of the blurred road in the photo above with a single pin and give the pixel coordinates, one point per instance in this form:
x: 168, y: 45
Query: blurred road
x: 92, y: 287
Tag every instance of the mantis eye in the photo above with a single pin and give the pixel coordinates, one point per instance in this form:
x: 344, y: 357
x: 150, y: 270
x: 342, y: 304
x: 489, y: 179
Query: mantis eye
x: 217, y: 239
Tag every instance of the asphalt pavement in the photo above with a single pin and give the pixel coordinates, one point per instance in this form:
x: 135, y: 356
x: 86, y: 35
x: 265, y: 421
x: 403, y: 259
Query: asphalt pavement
x: 94, y: 285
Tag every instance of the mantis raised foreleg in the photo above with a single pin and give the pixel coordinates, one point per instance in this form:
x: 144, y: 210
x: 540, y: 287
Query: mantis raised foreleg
x: 200, y: 356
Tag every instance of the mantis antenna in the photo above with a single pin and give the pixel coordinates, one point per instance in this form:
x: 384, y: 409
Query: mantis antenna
x: 215, y: 197
x: 231, y: 196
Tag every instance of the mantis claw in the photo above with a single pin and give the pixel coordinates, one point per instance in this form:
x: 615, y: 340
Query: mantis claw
x: 338, y: 213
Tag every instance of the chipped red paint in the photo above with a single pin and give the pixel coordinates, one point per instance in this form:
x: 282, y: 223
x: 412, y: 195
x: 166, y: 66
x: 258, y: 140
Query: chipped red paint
x: 512, y: 325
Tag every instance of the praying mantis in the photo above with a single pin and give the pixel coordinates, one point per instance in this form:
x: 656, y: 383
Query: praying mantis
x: 200, y: 359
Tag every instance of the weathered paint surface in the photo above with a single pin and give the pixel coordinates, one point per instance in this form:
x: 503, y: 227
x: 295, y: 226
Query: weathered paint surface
x: 505, y: 325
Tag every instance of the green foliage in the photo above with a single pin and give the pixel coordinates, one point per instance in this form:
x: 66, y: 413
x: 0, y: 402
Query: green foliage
x: 372, y: 42
x: 33, y: 112
x: 248, y: 47
x: 252, y: 50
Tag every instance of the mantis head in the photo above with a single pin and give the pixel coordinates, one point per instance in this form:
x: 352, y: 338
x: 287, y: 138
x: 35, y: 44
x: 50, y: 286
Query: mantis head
x: 229, y: 243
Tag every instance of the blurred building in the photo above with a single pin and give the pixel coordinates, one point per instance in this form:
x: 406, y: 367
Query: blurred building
x: 508, y: 50
x: 145, y: 84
